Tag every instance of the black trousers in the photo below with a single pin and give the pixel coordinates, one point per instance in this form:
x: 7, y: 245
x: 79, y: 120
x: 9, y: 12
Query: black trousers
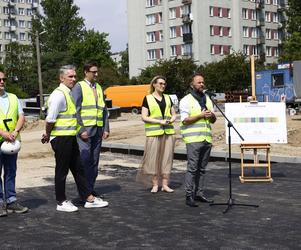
x: 67, y: 157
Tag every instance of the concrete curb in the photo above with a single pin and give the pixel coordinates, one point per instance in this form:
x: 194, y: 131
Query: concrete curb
x: 180, y: 153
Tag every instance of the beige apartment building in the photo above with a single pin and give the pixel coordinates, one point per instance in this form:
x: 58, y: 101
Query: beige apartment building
x: 205, y: 30
x: 15, y: 22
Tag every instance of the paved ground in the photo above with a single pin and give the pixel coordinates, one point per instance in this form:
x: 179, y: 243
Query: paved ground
x: 137, y: 219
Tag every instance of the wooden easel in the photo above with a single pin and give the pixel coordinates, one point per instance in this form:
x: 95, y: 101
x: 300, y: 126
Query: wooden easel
x: 256, y: 164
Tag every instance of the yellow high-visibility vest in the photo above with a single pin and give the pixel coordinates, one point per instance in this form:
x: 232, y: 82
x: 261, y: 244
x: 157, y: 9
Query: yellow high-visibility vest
x: 155, y: 112
x: 92, y: 112
x: 200, y: 130
x: 66, y: 122
x: 12, y: 113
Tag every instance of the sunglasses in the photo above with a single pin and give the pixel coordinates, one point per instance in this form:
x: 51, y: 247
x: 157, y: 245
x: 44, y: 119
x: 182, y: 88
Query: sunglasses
x: 3, y: 79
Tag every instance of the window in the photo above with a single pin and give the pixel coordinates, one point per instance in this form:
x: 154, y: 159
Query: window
x: 255, y: 50
x: 276, y: 52
x: 21, y: 11
x: 28, y: 1
x: 229, y: 32
x: 22, y: 24
x: 268, y: 51
x: 22, y: 36
x: 6, y: 23
x: 150, y: 3
x: 29, y: 37
x: 150, y: 37
x: 5, y: 10
x: 150, y: 19
x: 211, y: 30
x: 173, y: 50
x: 246, y: 50
x: 161, y: 35
x: 212, y: 49
x: 220, y: 12
x: 245, y: 13
x: 7, y: 35
x: 267, y: 16
x: 268, y: 34
x: 277, y: 80
x: 172, y: 32
x: 29, y: 12
x: 29, y: 24
x: 253, y: 15
x: 267, y: 1
x: 160, y: 17
x: 275, y: 17
x: 161, y: 53
x: 211, y: 11
x: 254, y: 33
x: 172, y: 13
x: 21, y: 1
x: 151, y: 54
x: 276, y: 35
x: 1, y: 36
x: 275, y: 2
x: 245, y: 31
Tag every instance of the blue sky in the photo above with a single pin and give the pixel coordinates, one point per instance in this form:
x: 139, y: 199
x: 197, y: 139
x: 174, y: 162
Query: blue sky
x: 106, y: 16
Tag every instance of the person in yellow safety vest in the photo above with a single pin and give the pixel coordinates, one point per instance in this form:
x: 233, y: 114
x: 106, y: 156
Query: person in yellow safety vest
x: 158, y: 115
x: 61, y: 129
x: 11, y: 122
x: 92, y: 116
x: 196, y: 110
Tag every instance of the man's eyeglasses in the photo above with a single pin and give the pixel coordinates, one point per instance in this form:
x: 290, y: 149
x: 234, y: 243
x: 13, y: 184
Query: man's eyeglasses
x: 93, y: 72
x: 3, y: 79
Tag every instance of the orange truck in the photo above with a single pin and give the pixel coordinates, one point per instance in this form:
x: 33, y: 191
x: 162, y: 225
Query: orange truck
x: 128, y: 97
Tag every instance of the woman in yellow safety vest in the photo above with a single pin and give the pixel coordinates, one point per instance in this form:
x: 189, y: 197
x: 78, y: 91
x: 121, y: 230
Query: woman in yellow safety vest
x: 158, y: 115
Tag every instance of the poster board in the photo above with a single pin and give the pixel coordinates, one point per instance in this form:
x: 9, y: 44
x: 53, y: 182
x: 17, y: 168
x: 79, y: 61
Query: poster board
x: 262, y: 122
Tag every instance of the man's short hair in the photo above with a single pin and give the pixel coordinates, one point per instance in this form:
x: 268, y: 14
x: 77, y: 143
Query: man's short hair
x: 63, y: 70
x: 89, y: 65
x: 196, y: 74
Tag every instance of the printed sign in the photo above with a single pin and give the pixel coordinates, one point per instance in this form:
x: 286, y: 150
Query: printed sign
x: 262, y: 122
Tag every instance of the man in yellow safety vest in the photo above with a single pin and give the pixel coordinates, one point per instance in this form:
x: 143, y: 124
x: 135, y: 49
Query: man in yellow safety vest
x: 11, y: 122
x: 93, y: 119
x: 196, y: 111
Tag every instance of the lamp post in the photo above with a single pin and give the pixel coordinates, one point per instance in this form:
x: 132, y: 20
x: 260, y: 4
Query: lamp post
x: 39, y: 72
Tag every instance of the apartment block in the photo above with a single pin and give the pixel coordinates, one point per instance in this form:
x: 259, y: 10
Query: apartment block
x: 16, y: 22
x: 205, y: 30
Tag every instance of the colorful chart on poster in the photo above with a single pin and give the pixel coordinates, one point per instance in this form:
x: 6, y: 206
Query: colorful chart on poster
x: 257, y: 122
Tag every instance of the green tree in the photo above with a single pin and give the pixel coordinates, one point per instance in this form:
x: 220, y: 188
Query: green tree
x: 18, y: 66
x: 292, y: 45
x: 231, y: 73
x: 62, y: 24
x: 124, y: 64
x: 177, y: 72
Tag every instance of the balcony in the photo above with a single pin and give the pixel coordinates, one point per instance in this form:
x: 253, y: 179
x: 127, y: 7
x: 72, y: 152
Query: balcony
x: 260, y: 40
x: 187, y: 18
x: 13, y: 28
x: 260, y: 22
x: 259, y: 6
x: 186, y: 1
x: 187, y: 38
x: 35, y: 5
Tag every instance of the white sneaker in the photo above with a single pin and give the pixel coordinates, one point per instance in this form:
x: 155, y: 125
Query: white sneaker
x: 66, y: 206
x: 98, y: 202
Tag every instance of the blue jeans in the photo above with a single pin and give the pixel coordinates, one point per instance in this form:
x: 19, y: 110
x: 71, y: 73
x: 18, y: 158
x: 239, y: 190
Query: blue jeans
x: 9, y: 165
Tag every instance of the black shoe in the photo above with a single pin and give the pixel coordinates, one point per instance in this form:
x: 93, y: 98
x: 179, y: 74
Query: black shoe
x: 190, y: 202
x: 202, y: 198
x: 3, y: 211
x: 15, y: 207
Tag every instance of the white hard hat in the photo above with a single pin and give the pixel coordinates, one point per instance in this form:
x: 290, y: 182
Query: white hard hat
x: 10, y: 148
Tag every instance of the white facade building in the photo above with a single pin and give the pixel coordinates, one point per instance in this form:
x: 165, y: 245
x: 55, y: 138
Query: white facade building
x: 205, y: 30
x: 16, y: 22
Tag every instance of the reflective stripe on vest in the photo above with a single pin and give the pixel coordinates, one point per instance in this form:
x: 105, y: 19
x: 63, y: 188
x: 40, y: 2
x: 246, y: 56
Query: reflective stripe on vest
x: 66, y: 123
x: 155, y: 112
x: 200, y: 130
x: 91, y: 113
x: 12, y: 113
